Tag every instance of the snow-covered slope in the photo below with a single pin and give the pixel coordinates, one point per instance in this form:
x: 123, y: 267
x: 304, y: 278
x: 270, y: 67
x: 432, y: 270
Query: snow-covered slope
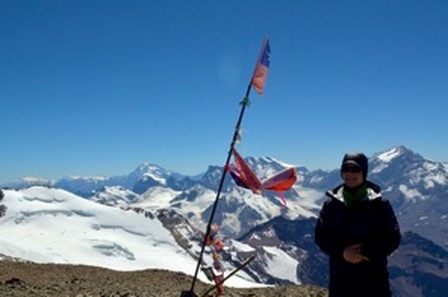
x: 52, y: 225
x: 47, y: 225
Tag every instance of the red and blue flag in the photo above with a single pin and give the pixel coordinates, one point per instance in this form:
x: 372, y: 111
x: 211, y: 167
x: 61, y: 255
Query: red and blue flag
x: 261, y: 68
x: 244, y: 177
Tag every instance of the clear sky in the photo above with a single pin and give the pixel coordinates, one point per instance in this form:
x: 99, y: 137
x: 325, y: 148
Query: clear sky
x: 98, y: 87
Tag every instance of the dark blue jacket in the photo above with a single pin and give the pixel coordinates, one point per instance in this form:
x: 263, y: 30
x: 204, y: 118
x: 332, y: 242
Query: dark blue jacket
x: 374, y: 225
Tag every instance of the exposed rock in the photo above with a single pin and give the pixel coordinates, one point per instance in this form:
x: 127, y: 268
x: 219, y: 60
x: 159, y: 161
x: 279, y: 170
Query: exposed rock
x: 25, y: 279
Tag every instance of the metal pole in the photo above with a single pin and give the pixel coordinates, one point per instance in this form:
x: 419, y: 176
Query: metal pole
x: 244, y: 103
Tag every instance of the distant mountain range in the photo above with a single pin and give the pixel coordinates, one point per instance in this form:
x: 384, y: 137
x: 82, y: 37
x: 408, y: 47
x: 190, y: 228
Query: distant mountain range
x: 416, y: 187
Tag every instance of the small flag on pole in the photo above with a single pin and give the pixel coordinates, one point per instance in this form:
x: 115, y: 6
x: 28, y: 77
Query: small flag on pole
x: 262, y: 67
x: 244, y: 177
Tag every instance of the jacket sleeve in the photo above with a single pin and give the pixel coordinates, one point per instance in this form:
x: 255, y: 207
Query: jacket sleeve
x: 388, y: 239
x: 324, y: 239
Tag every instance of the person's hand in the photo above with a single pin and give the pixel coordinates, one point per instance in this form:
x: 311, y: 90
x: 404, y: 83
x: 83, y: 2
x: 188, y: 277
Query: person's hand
x: 353, y: 254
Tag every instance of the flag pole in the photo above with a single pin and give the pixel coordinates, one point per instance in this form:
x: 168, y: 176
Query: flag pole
x: 244, y: 103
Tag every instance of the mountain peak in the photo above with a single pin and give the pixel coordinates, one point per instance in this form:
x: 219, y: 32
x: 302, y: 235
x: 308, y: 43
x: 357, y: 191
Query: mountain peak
x: 29, y: 181
x: 147, y: 166
x: 393, y: 153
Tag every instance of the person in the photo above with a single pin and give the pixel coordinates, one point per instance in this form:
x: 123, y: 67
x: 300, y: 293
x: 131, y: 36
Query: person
x: 358, y: 230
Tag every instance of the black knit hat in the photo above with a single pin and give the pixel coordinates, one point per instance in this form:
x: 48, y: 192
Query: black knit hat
x: 358, y: 160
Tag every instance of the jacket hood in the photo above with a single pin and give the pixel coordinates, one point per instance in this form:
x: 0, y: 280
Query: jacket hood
x: 373, y: 192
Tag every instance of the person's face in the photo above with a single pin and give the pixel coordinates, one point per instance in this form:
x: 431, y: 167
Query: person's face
x: 352, y: 176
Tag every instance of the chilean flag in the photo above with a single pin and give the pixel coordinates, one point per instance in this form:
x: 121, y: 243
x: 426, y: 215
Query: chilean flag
x: 261, y: 68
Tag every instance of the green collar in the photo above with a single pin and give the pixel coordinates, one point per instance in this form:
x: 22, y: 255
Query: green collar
x: 352, y: 197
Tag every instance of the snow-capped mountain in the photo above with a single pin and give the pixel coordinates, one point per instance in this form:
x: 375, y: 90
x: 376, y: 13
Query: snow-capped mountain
x: 144, y: 176
x: 415, y: 186
x: 29, y: 181
x: 238, y: 210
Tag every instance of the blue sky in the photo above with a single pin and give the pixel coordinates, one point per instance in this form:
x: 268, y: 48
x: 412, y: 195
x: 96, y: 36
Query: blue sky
x: 99, y: 87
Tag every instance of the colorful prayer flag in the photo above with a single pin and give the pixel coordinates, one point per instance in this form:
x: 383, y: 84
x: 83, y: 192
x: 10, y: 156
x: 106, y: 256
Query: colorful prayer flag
x: 262, y: 67
x: 244, y: 177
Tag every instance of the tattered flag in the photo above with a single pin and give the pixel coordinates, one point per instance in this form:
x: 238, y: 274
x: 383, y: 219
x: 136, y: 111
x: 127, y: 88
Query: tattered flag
x: 244, y: 177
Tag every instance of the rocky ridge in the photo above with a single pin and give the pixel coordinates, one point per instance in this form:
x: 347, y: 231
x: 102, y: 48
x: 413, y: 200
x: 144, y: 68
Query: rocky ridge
x: 25, y: 279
